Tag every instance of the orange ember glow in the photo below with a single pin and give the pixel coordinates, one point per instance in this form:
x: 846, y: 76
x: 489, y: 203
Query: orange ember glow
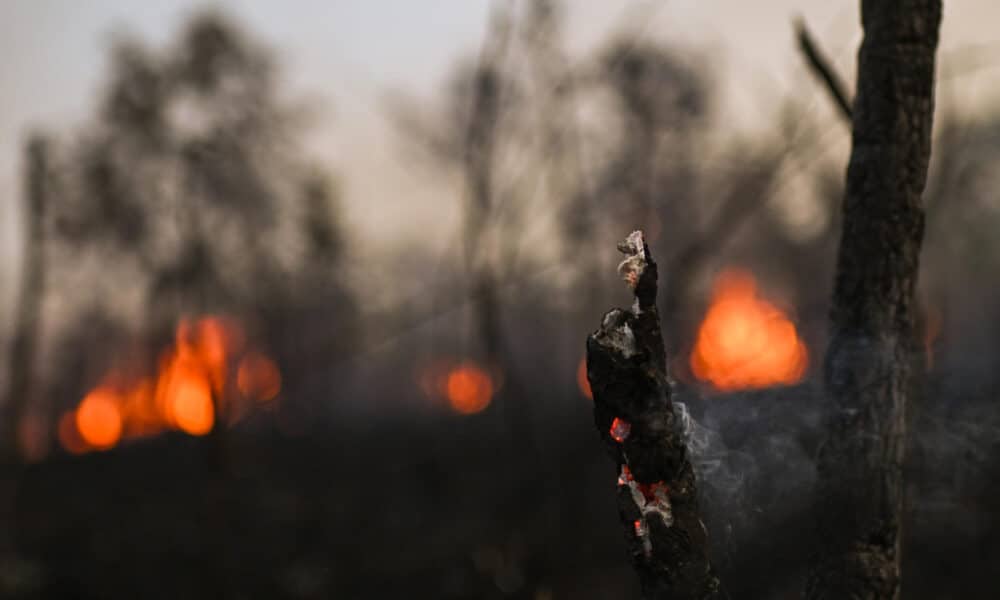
x: 258, y: 377
x: 581, y: 379
x: 620, y: 429
x: 186, y: 397
x: 195, y: 381
x: 469, y: 388
x: 98, y: 419
x: 69, y: 435
x: 745, y: 342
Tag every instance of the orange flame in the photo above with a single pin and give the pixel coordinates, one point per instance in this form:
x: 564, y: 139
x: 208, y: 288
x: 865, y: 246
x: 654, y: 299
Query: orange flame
x: 184, y: 394
x: 98, y: 419
x: 465, y: 385
x: 469, y: 388
x: 746, y: 342
x: 193, y: 383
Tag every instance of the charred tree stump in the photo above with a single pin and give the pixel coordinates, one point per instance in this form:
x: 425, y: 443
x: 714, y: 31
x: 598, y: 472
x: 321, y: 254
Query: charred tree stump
x: 868, y: 363
x: 633, y: 411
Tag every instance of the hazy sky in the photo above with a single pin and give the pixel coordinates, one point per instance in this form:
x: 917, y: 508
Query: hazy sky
x: 347, y: 55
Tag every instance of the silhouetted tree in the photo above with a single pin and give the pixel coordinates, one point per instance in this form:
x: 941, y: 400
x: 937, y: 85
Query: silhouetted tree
x: 192, y: 186
x: 868, y: 363
x: 27, y: 326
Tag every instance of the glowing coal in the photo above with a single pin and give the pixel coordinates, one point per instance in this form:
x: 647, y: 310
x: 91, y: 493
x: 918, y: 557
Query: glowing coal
x: 620, y: 430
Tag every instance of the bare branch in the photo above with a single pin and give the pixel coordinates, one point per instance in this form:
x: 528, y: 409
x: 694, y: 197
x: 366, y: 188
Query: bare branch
x: 822, y: 69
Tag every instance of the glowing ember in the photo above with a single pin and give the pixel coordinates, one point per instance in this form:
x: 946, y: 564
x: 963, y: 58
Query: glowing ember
x: 642, y: 532
x: 625, y: 476
x: 652, y: 492
x: 649, y: 497
x: 469, y: 388
x: 581, y: 379
x: 746, y: 342
x: 620, y: 429
x: 98, y: 419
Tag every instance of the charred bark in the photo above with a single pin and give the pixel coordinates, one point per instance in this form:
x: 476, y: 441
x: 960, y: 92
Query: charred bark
x: 657, y: 496
x: 868, y: 363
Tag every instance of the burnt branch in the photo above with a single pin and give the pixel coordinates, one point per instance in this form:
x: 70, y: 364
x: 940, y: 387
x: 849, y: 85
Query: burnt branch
x: 823, y: 70
x: 634, y: 414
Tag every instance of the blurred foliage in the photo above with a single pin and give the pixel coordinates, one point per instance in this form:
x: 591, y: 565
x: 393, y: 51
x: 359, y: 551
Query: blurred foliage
x: 190, y: 193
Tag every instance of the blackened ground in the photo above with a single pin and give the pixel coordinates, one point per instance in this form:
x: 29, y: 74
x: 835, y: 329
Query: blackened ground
x: 448, y: 509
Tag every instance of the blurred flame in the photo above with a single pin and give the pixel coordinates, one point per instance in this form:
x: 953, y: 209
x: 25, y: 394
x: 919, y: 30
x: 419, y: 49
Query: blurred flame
x: 258, y: 377
x: 194, y: 382
x: 98, y: 419
x: 581, y: 379
x: 744, y: 341
x: 69, y: 435
x: 138, y: 405
x: 185, y: 394
x: 465, y: 385
x: 469, y: 388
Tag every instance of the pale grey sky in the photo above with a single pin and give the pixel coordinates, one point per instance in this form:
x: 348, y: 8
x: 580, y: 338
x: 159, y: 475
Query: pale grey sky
x: 346, y: 54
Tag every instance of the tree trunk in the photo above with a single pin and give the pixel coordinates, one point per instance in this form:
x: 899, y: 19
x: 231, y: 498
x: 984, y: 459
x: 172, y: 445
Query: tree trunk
x: 27, y: 323
x: 868, y: 366
x: 634, y: 413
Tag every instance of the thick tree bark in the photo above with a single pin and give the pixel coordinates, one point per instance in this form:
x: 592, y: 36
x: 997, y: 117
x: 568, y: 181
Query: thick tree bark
x: 868, y: 366
x: 634, y: 413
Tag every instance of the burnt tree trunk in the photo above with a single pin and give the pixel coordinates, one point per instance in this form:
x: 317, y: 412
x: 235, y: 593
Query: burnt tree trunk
x: 868, y: 362
x: 634, y: 413
x: 27, y: 319
x: 23, y: 346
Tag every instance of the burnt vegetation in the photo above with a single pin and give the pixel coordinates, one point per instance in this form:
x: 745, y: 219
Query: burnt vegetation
x: 213, y: 388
